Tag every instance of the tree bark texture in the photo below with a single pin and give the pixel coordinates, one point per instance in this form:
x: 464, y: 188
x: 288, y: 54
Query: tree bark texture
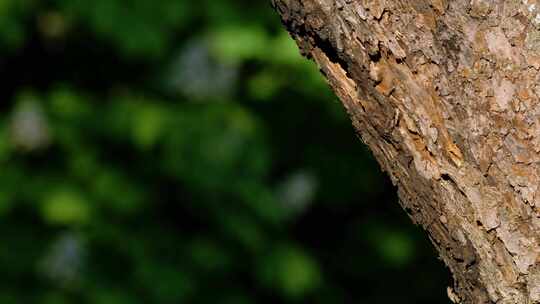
x: 446, y: 93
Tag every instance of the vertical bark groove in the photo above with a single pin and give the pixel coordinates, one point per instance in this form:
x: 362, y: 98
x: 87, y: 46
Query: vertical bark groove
x: 445, y: 94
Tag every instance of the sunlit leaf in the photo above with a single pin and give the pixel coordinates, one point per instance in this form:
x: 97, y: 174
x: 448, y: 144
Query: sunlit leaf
x: 237, y: 43
x: 66, y: 206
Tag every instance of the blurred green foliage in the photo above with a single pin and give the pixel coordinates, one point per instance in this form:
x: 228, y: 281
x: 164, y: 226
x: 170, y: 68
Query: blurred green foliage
x: 175, y: 151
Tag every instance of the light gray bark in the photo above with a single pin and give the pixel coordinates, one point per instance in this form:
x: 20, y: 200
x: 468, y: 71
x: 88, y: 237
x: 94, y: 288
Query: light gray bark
x: 446, y: 93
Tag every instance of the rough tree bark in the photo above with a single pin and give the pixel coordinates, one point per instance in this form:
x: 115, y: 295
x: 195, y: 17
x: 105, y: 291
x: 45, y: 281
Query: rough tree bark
x: 446, y: 93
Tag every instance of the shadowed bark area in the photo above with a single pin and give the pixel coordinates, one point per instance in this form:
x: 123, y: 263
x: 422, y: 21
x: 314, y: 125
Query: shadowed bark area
x: 445, y: 94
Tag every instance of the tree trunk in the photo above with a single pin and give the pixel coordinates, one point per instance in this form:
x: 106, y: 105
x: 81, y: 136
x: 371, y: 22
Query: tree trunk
x: 445, y: 94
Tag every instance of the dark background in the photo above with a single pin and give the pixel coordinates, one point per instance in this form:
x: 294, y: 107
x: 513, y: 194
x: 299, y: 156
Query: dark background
x: 179, y: 151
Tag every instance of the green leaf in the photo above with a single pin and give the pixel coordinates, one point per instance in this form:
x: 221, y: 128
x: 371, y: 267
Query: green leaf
x: 66, y: 206
x: 66, y: 104
x: 396, y: 248
x: 291, y: 271
x: 148, y: 124
x: 235, y: 44
x: 283, y: 50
